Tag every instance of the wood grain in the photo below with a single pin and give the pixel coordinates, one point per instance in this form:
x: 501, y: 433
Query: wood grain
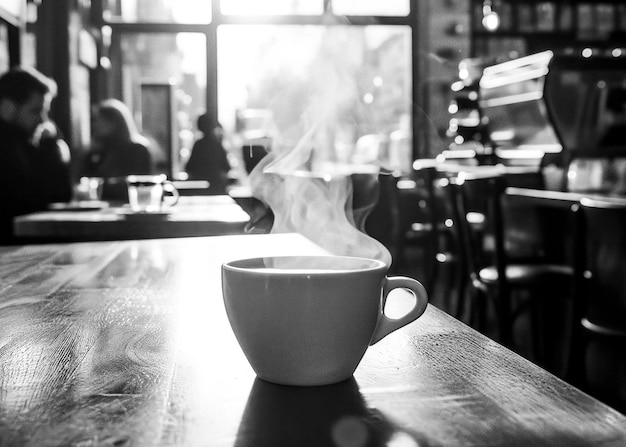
x: 127, y: 343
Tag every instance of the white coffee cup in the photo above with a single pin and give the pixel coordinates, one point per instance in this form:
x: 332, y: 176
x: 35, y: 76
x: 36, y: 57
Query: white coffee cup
x: 148, y: 193
x: 308, y: 320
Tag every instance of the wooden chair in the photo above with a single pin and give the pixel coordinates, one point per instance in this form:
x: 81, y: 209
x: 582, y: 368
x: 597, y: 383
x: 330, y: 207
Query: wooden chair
x: 494, y: 275
x: 598, y: 349
x: 382, y: 218
x: 426, y: 224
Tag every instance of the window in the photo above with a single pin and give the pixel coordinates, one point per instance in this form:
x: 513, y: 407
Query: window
x: 275, y: 7
x: 371, y: 7
x: 163, y: 11
x: 351, y: 80
x: 199, y: 11
x: 259, y: 63
x: 176, y: 63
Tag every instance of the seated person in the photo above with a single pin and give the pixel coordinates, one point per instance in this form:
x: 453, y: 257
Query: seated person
x: 208, y: 160
x: 34, y: 161
x: 117, y: 148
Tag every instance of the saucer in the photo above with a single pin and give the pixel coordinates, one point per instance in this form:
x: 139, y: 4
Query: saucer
x: 81, y: 205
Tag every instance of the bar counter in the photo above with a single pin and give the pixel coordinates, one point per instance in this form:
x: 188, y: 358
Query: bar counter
x: 127, y: 343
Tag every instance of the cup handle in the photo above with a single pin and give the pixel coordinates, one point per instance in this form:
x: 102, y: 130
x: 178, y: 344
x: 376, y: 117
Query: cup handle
x: 386, y: 325
x: 173, y: 196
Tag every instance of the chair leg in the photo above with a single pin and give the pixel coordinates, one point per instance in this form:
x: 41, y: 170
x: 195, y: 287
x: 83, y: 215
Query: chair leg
x: 538, y: 336
x: 549, y: 330
x: 503, y: 316
x: 430, y: 258
x: 461, y: 290
x: 478, y: 309
x: 575, y: 368
x: 433, y: 259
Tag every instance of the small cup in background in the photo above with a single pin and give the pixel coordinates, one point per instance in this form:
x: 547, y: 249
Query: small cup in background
x: 148, y: 193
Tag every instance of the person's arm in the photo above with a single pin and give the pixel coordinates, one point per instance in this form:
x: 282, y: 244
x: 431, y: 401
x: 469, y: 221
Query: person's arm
x: 224, y: 163
x: 141, y: 162
x: 55, y: 160
x: 198, y: 164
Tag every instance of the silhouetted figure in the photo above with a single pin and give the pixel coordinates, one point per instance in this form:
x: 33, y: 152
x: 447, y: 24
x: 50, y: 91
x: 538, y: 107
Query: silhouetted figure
x: 208, y: 160
x: 117, y: 148
x: 34, y: 161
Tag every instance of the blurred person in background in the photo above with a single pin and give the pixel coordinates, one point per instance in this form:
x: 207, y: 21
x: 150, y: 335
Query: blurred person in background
x: 117, y: 148
x: 208, y: 160
x: 34, y: 160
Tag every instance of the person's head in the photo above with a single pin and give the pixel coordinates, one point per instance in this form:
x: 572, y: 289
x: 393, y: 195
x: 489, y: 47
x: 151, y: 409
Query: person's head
x: 112, y: 118
x: 205, y: 125
x: 25, y: 97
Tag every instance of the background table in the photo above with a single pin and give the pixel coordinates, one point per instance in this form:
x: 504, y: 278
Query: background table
x: 554, y: 211
x: 127, y: 343
x: 192, y: 216
x: 559, y: 199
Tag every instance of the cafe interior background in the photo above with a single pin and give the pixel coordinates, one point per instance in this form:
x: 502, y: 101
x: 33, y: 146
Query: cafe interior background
x: 414, y: 67
x: 249, y: 65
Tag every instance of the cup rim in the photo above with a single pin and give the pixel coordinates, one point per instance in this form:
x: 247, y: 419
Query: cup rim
x: 247, y: 265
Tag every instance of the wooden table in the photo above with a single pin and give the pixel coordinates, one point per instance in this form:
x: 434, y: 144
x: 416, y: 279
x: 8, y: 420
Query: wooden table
x: 554, y: 209
x: 127, y: 343
x: 557, y: 221
x: 192, y: 216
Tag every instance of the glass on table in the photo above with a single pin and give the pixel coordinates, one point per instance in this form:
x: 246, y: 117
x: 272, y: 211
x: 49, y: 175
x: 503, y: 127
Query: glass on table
x: 88, y: 189
x: 148, y: 193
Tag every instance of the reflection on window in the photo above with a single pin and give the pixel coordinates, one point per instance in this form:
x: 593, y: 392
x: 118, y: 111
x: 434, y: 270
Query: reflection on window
x: 398, y: 8
x: 179, y: 11
x: 159, y: 62
x: 354, y: 81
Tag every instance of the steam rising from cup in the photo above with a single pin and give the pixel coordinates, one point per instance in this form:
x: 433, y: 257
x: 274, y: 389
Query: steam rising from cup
x: 310, y: 177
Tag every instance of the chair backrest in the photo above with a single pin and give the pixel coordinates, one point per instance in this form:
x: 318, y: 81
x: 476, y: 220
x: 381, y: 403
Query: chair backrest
x: 434, y: 208
x: 597, y: 360
x: 463, y: 198
x: 511, y: 231
x: 600, y: 266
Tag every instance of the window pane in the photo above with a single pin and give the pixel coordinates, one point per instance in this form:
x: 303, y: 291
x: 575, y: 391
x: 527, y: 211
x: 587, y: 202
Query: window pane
x: 272, y: 7
x: 398, y: 8
x: 278, y: 81
x: 178, y: 11
x: 163, y: 80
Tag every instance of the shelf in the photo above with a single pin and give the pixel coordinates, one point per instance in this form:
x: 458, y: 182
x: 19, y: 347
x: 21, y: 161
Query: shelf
x: 550, y: 25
